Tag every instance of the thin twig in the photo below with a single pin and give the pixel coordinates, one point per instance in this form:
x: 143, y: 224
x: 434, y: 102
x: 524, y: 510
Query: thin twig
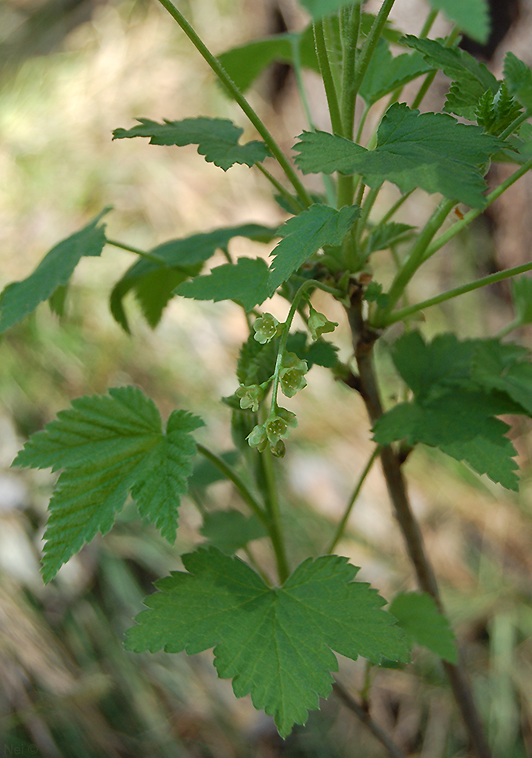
x: 365, y: 717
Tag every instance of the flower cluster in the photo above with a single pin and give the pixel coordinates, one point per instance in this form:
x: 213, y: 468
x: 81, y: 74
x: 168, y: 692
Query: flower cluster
x: 273, y: 431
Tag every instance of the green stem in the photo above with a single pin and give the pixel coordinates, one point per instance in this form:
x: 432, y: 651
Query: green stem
x: 307, y: 284
x: 271, y: 502
x: 515, y: 324
x: 510, y: 129
x: 148, y: 256
x: 444, y: 238
x: 395, y: 207
x: 427, y: 26
x: 328, y: 80
x: 294, y: 203
x: 230, y: 474
x: 457, y: 291
x: 349, y: 92
x: 370, y: 46
x: 356, y: 492
x: 239, y: 98
x: 415, y: 259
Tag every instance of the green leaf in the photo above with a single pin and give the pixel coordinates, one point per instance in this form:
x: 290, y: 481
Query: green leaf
x: 206, y: 473
x: 386, y: 72
x: 229, y: 531
x: 418, y: 616
x: 54, y: 271
x: 453, y: 407
x: 154, y: 283
x: 428, y: 150
x: 460, y: 424
x: 305, y: 234
x: 321, y: 353
x: 471, y: 16
x: 245, y: 63
x: 506, y: 368
x: 518, y: 77
x: 108, y: 446
x: 471, y: 79
x: 385, y: 236
x: 216, y: 138
x: 320, y: 8
x: 246, y: 282
x: 274, y: 642
x: 522, y: 298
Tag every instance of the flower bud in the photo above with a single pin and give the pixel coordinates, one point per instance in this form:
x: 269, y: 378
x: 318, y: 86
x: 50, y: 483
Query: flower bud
x: 319, y: 324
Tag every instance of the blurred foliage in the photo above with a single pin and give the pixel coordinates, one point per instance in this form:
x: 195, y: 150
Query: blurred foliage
x: 70, y: 73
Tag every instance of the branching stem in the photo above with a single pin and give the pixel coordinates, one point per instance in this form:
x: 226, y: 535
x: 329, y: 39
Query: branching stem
x: 363, y: 341
x: 239, y: 98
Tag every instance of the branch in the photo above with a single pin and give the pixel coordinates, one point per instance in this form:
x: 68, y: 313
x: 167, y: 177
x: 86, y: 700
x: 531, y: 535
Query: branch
x: 363, y: 342
x: 364, y: 716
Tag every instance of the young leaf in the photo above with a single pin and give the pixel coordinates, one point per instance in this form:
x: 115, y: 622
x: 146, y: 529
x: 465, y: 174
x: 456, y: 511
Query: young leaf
x: 245, y: 63
x: 246, y: 282
x: 471, y: 79
x: 216, y: 138
x: 154, y: 283
x: 320, y: 8
x: 206, y: 473
x: 428, y: 150
x: 418, y: 616
x: 518, y: 77
x: 54, y: 271
x: 305, y: 234
x: 229, y: 531
x: 386, y: 72
x: 275, y: 643
x: 108, y: 446
x: 522, y: 298
x: 506, y: 368
x: 472, y: 17
x: 383, y: 237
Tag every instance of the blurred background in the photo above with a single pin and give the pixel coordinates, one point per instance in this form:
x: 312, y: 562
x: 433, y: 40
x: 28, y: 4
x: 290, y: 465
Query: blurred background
x: 70, y: 72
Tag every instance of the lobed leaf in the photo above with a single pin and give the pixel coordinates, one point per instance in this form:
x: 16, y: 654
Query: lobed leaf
x: 216, y: 138
x: 459, y: 388
x: 385, y: 72
x: 53, y: 272
x: 108, y: 446
x: 305, y: 234
x: 274, y: 642
x: 418, y: 616
x: 246, y: 282
x: 153, y: 283
x: 471, y: 16
x: 518, y: 77
x: 471, y: 79
x: 428, y: 150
